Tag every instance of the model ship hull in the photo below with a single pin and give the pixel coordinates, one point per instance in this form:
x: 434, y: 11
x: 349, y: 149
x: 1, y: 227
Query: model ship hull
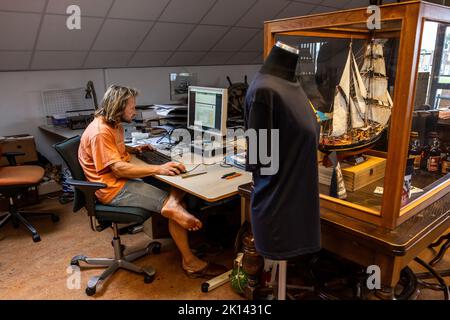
x: 350, y: 146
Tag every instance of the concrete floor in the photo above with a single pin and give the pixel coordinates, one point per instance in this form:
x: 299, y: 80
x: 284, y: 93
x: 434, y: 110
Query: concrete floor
x: 39, y: 270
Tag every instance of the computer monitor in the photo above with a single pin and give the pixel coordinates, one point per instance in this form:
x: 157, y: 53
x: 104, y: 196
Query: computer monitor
x: 207, y: 110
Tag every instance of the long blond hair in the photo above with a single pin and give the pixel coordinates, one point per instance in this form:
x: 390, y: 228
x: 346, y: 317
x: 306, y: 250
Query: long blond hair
x: 114, y: 102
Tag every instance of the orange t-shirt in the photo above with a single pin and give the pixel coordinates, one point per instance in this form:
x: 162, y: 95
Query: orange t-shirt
x: 102, y: 145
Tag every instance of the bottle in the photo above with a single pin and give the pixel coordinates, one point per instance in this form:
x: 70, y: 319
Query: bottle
x: 434, y: 157
x: 415, y: 150
x: 445, y: 166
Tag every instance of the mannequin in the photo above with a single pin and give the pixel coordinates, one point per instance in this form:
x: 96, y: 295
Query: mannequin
x: 285, y: 205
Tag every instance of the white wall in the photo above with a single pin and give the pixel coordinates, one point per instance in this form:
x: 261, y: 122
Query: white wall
x: 21, y: 108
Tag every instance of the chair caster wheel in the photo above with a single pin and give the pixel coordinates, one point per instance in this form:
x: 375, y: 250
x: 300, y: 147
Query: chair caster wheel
x: 36, y: 238
x: 55, y: 218
x: 149, y: 279
x: 156, y: 249
x: 90, y: 291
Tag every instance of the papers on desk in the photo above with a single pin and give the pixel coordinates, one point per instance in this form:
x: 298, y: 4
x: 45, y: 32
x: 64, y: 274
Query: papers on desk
x: 165, y: 111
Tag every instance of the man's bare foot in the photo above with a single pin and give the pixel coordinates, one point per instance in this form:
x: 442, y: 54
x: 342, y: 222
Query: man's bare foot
x: 194, y: 265
x: 175, y: 210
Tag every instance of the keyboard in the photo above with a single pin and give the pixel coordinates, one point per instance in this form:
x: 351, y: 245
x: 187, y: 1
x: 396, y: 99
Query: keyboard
x: 154, y: 157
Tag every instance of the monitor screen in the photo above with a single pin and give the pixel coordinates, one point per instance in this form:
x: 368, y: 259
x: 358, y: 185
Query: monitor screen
x: 207, y: 110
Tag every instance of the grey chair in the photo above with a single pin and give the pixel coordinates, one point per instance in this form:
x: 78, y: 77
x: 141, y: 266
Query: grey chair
x: 102, y: 217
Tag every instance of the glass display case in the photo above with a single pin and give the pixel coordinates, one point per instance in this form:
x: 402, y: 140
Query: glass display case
x: 381, y: 93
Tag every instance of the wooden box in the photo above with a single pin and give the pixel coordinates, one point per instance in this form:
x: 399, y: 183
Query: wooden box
x: 361, y: 175
x: 358, y: 176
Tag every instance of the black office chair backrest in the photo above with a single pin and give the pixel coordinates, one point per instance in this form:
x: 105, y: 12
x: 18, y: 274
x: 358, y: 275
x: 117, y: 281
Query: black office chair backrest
x: 68, y: 150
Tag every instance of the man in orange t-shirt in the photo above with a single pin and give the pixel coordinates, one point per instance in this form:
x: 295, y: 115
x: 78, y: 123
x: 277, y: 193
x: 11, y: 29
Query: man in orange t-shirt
x: 104, y: 158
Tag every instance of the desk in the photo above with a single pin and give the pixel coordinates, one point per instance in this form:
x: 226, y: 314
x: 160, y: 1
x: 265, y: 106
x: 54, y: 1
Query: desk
x: 368, y: 244
x: 209, y: 187
x: 61, y: 132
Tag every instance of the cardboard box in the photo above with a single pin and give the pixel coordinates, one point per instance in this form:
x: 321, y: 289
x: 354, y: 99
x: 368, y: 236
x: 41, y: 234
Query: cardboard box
x: 358, y: 176
x: 18, y: 143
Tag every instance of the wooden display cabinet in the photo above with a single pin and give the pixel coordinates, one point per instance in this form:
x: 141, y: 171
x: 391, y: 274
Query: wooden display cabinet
x: 402, y: 26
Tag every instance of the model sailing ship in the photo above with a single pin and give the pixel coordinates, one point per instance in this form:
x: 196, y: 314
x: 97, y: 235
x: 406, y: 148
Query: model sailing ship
x: 362, y: 104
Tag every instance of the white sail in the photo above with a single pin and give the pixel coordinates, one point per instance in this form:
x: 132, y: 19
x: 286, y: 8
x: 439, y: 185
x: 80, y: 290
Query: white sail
x: 374, y: 50
x: 379, y: 113
x: 377, y: 66
x: 356, y: 119
x: 376, y: 87
x: 341, y: 98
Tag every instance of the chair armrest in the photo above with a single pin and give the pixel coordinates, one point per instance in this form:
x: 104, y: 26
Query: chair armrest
x: 86, y: 185
x: 11, y: 156
x: 86, y: 190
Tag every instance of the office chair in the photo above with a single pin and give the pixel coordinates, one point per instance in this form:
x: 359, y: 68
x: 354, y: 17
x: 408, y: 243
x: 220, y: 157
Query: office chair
x: 15, y: 180
x: 104, y: 216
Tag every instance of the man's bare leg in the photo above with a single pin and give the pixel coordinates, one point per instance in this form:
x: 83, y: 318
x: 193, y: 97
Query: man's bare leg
x: 173, y: 209
x: 179, y: 236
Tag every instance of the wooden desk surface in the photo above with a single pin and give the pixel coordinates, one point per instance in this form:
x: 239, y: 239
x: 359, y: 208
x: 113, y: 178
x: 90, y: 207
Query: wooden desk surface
x: 209, y: 187
x: 62, y: 132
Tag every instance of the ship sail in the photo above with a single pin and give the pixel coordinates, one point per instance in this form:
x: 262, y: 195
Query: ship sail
x: 341, y: 98
x: 374, y: 76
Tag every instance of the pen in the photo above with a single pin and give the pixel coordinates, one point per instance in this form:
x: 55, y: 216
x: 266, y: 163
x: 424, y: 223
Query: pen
x: 233, y: 176
x: 228, y: 174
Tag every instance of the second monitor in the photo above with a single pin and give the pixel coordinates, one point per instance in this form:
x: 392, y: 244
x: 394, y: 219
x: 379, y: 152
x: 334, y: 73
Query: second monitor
x: 207, y: 110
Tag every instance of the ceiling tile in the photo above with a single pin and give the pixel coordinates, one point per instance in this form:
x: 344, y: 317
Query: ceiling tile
x: 243, y: 58
x: 166, y: 36
x: 14, y: 60
x: 138, y: 9
x: 55, y: 36
x: 46, y: 60
x: 121, y: 35
x: 322, y: 9
x: 227, y: 12
x: 235, y: 39
x: 149, y: 59
x: 180, y: 11
x: 106, y: 59
x: 256, y: 43
x: 313, y: 2
x: 181, y: 58
x: 97, y: 8
x: 334, y: 3
x: 203, y: 38
x: 216, y: 58
x: 296, y: 10
x: 262, y: 11
x: 23, y: 5
x: 362, y: 3
x: 18, y: 30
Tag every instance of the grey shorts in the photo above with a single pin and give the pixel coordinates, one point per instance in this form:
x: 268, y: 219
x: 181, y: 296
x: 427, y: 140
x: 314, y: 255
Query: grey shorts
x: 137, y: 193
